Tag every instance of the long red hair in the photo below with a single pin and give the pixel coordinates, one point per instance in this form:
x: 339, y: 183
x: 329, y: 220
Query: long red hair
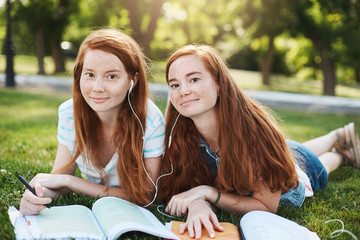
x: 252, y: 145
x: 128, y: 137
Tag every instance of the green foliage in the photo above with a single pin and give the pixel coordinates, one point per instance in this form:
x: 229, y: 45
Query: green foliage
x: 244, y: 59
x: 201, y: 22
x: 237, y: 28
x: 49, y: 16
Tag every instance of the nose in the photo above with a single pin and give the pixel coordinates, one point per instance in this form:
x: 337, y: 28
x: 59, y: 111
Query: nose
x: 98, y: 85
x: 184, y: 89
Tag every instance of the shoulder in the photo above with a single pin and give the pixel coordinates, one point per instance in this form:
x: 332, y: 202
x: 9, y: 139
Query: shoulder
x: 66, y: 127
x: 154, y: 132
x: 66, y: 107
x: 66, y: 118
x: 154, y: 116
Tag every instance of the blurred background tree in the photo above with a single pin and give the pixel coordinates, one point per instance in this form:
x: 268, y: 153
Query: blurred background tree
x: 267, y: 19
x: 306, y: 39
x: 43, y: 22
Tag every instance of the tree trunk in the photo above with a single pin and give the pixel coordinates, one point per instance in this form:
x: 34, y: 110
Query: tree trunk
x: 58, y: 57
x: 267, y: 61
x: 357, y: 74
x: 40, y: 50
x: 155, y: 14
x: 143, y: 38
x: 327, y: 66
x: 135, y: 18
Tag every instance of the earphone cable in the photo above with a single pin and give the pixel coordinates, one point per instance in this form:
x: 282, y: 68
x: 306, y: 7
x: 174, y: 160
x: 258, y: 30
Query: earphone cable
x: 172, y: 129
x: 142, y: 159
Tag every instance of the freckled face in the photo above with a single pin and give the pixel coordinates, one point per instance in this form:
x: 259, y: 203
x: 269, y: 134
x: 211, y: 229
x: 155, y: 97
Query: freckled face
x: 104, y: 82
x: 193, y: 91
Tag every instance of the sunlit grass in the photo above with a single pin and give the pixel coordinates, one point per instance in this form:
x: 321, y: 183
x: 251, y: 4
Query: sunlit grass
x: 29, y: 65
x: 250, y: 80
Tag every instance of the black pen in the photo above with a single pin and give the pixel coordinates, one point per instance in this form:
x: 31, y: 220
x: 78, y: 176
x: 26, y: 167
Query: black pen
x: 29, y: 187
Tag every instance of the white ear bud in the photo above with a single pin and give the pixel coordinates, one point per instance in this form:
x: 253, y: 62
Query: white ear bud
x: 131, y: 86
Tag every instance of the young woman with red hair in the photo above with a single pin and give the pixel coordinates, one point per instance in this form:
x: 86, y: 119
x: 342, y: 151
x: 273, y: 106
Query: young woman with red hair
x: 109, y: 129
x: 226, y: 150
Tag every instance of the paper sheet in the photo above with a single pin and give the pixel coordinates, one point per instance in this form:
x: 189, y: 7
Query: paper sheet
x: 264, y: 225
x: 19, y: 223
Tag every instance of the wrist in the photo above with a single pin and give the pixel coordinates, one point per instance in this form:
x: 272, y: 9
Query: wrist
x: 217, y: 199
x: 66, y: 180
x: 211, y: 194
x: 199, y: 203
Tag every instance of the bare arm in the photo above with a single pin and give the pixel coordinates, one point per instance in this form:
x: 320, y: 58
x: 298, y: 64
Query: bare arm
x: 188, y: 202
x: 63, y: 178
x: 263, y: 200
x: 31, y: 204
x: 79, y: 185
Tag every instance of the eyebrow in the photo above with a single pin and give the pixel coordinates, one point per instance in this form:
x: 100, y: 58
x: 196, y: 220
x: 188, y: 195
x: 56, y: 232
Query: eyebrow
x: 111, y: 70
x: 186, y: 75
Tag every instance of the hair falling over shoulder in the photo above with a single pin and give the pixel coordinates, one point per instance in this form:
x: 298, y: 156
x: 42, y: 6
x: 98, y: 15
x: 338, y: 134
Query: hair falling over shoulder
x: 128, y: 135
x: 252, y: 145
x: 189, y: 170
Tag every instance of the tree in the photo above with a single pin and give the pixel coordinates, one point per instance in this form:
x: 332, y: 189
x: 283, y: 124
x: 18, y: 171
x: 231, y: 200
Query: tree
x: 143, y: 20
x: 267, y: 19
x: 46, y: 19
x: 202, y: 22
x: 9, y: 50
x: 313, y: 19
x: 349, y: 50
x: 32, y: 16
x: 61, y: 10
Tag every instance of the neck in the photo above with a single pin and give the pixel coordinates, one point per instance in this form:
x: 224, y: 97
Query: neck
x: 108, y: 120
x: 107, y: 134
x: 208, y: 128
x: 108, y: 124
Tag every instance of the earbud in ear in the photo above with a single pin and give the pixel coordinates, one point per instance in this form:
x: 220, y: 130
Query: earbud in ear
x: 131, y: 85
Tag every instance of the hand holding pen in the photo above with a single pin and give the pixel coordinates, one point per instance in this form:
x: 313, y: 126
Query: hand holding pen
x: 27, y: 185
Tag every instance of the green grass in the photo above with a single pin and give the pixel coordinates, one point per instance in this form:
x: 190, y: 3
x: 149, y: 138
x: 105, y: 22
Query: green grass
x: 28, y: 128
x: 24, y: 64
x: 252, y: 81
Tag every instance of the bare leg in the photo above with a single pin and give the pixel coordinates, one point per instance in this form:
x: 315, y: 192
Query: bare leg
x: 323, y: 144
x: 331, y: 161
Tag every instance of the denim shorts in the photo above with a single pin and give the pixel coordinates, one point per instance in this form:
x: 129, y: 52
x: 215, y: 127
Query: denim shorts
x: 310, y: 164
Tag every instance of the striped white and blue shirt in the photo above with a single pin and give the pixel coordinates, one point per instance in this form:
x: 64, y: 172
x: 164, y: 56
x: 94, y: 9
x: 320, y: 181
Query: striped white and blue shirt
x: 153, y: 140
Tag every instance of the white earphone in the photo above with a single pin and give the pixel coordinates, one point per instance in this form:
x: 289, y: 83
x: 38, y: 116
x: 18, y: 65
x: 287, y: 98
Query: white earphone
x: 131, y: 86
x: 142, y: 160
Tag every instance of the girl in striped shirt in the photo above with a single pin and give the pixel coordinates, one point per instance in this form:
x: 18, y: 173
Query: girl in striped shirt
x: 109, y: 129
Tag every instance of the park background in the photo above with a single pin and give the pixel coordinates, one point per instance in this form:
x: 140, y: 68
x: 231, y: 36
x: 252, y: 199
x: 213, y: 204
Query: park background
x: 300, y: 46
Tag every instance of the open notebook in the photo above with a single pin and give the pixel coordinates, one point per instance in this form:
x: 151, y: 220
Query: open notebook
x: 109, y: 218
x: 259, y: 225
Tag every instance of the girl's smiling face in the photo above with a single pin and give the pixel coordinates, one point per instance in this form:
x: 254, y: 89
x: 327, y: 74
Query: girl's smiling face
x: 193, y: 91
x: 104, y: 82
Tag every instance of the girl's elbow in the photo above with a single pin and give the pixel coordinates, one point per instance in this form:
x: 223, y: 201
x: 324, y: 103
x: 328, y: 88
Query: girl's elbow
x: 272, y: 208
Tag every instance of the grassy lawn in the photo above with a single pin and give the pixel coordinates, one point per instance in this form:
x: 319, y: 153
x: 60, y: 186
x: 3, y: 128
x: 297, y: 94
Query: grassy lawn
x: 28, y: 65
x: 28, y: 128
